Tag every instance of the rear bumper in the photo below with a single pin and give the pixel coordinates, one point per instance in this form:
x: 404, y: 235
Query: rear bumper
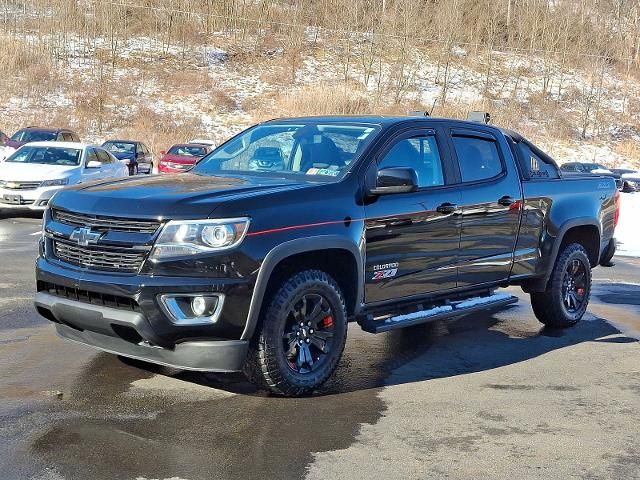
x: 122, y: 332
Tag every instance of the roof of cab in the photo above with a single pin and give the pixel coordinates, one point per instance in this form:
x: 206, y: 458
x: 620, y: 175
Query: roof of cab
x: 381, y: 120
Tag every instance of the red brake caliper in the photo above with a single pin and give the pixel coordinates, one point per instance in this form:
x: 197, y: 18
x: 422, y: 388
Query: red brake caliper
x: 327, y: 322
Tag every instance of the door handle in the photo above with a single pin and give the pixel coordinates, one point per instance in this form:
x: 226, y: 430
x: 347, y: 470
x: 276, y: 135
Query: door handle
x: 506, y: 201
x: 447, y: 208
x: 399, y: 223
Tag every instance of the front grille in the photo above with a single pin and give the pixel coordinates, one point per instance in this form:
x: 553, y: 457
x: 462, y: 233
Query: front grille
x: 20, y: 185
x: 101, y: 223
x: 100, y: 257
x: 86, y: 296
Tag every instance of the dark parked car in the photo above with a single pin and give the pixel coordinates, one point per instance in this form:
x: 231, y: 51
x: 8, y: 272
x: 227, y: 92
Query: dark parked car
x: 630, y: 179
x: 182, y: 157
x: 39, y: 134
x: 385, y: 221
x: 135, y: 154
x: 590, y: 168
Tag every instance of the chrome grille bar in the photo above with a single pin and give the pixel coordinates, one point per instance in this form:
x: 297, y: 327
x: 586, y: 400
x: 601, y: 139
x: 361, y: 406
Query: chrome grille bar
x: 101, y: 257
x: 101, y: 223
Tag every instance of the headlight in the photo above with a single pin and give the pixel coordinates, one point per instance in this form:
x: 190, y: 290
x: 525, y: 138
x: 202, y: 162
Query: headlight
x: 190, y: 237
x: 55, y: 183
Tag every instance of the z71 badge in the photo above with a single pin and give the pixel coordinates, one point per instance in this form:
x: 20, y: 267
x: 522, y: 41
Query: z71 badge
x: 388, y: 270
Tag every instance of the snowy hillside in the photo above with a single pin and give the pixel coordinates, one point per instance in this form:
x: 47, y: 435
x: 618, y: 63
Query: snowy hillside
x: 167, y: 75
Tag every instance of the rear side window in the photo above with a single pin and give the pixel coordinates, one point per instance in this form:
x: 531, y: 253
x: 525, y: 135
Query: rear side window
x: 478, y: 157
x: 534, y: 165
x: 419, y: 153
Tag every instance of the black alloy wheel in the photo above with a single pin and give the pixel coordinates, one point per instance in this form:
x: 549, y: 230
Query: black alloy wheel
x: 308, y: 337
x: 574, y: 285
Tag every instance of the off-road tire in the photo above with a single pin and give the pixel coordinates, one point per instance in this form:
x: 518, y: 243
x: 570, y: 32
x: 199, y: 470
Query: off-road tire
x: 549, y: 306
x: 266, y: 365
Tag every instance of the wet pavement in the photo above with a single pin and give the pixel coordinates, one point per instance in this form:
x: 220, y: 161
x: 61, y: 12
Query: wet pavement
x: 487, y: 396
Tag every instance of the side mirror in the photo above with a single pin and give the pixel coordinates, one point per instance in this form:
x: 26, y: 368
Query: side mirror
x: 395, y: 180
x: 93, y: 164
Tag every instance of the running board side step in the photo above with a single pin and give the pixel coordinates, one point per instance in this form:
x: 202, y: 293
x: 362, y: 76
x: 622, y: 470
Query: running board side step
x: 450, y: 310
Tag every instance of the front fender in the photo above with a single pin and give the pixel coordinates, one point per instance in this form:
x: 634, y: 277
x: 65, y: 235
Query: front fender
x: 294, y: 247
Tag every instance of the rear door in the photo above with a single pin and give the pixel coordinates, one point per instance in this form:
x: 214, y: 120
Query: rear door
x: 412, y: 239
x: 491, y: 205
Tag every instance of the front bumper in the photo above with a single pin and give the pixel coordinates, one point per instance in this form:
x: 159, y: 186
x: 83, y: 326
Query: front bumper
x: 36, y: 199
x: 122, y: 333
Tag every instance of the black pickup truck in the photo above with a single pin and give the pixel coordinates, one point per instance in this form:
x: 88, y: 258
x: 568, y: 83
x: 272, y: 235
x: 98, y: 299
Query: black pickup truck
x: 258, y: 258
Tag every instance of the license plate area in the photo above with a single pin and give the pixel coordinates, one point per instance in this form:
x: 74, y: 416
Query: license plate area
x: 12, y: 199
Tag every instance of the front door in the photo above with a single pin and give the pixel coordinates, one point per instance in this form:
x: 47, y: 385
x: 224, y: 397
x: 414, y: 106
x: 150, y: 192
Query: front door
x: 412, y: 239
x: 491, y: 207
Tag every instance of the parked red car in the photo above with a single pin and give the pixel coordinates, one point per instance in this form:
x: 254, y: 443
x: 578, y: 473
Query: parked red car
x: 182, y: 157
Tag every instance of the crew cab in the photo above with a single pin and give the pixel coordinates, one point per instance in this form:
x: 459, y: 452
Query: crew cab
x: 383, y: 221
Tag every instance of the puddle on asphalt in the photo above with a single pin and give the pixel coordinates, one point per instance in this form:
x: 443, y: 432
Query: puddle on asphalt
x: 128, y: 420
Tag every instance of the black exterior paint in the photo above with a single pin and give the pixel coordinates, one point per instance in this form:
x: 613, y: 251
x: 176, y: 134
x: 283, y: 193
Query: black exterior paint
x: 482, y: 242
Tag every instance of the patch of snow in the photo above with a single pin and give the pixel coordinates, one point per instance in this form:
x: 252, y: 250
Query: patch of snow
x: 472, y: 302
x: 421, y: 314
x: 628, y: 230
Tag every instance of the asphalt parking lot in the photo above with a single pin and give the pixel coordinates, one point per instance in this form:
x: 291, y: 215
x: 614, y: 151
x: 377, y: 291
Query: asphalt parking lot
x: 488, y: 396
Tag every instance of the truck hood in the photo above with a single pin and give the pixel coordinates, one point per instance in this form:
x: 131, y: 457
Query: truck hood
x: 183, y: 195
x: 34, y: 172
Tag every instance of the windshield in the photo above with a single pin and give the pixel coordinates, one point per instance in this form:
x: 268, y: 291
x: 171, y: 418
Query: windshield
x: 47, y: 156
x: 120, y: 147
x: 26, y: 136
x: 187, y: 151
x: 323, y: 151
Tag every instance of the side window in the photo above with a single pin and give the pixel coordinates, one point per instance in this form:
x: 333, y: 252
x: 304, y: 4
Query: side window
x: 103, y: 157
x: 91, y: 156
x: 535, y: 166
x: 419, y: 153
x: 478, y: 157
x: 67, y: 137
x: 60, y: 137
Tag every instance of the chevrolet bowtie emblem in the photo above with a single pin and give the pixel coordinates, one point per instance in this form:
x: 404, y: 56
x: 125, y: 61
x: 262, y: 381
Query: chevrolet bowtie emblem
x: 84, y: 236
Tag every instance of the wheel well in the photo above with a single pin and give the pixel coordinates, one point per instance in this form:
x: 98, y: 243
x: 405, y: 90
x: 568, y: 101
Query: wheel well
x: 338, y: 263
x: 586, y: 235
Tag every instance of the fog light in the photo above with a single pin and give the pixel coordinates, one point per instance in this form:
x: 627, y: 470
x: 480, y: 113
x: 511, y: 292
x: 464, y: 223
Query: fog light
x: 199, y: 306
x: 192, y: 309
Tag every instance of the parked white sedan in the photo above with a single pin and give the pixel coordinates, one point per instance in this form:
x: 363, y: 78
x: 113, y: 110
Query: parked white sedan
x: 34, y: 172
